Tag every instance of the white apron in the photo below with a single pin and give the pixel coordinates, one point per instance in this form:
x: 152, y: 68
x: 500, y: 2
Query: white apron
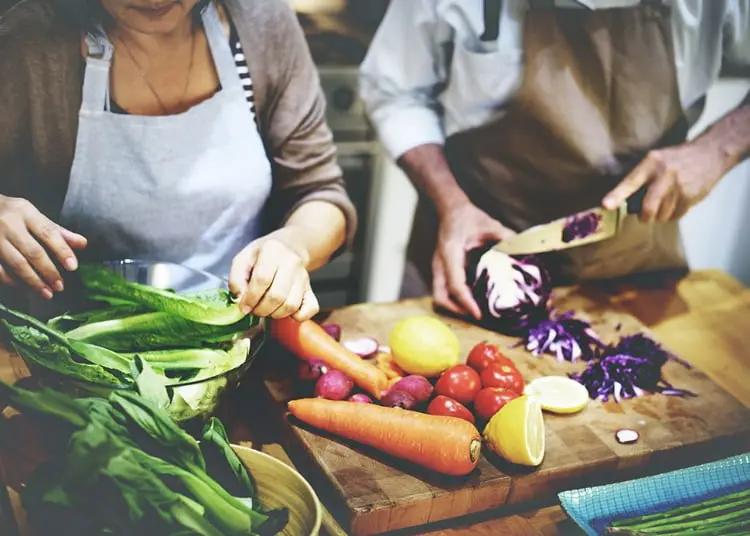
x: 187, y: 188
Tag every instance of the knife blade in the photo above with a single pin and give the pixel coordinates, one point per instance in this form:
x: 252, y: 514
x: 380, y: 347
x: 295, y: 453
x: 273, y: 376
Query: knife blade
x: 550, y: 236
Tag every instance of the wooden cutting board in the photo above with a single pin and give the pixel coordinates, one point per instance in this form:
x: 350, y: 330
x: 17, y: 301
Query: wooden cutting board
x: 373, y: 494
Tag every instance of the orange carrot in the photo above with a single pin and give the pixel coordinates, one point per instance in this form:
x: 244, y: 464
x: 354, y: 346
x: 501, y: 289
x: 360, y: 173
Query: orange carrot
x: 447, y: 445
x: 384, y: 361
x: 308, y: 340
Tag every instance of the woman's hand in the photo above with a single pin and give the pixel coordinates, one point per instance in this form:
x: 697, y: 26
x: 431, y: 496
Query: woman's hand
x: 271, y: 279
x: 677, y: 178
x: 462, y: 229
x: 28, y: 240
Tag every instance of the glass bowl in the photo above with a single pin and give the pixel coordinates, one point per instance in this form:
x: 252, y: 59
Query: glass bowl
x: 192, y: 401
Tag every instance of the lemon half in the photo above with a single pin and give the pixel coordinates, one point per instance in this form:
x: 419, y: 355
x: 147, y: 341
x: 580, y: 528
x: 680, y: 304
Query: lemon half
x: 516, y: 432
x: 558, y: 394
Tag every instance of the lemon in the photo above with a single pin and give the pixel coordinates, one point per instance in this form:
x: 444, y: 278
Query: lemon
x: 558, y: 394
x: 516, y: 432
x: 424, y: 345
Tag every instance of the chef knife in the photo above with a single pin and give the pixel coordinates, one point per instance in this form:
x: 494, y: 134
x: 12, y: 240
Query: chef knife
x: 550, y: 237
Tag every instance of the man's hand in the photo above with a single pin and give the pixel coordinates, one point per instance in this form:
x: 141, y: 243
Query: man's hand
x: 462, y: 229
x: 677, y: 178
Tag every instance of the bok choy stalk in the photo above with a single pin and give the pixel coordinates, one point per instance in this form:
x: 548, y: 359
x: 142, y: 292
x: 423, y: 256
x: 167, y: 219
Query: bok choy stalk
x: 208, y: 307
x: 125, y: 457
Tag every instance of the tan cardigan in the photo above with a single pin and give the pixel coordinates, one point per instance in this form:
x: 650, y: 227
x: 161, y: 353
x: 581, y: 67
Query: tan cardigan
x: 41, y: 75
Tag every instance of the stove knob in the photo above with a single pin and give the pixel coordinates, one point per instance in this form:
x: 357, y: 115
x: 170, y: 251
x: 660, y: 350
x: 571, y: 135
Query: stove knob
x: 343, y: 98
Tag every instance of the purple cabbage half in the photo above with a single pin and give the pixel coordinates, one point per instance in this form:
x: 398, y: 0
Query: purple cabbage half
x: 581, y: 226
x: 628, y: 369
x: 512, y: 293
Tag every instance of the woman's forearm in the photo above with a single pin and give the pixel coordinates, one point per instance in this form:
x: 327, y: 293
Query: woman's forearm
x: 319, y: 229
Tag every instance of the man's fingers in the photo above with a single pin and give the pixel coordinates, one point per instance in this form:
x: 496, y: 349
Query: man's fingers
x: 668, y: 206
x: 239, y: 273
x: 440, y: 293
x: 38, y: 259
x: 74, y: 240
x: 629, y: 185
x: 657, y: 191
x: 16, y: 263
x: 51, y: 236
x: 309, y: 308
x: 455, y: 274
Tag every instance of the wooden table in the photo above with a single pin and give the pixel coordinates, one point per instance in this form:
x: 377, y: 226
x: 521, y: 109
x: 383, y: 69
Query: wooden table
x: 704, y: 317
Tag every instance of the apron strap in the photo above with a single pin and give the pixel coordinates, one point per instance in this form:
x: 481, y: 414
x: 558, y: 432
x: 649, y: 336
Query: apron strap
x: 492, y: 10
x: 95, y: 93
x: 550, y: 4
x: 222, y: 53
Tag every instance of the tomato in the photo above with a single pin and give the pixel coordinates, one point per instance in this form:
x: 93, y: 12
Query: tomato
x: 442, y: 405
x: 507, y: 377
x: 491, y: 400
x: 460, y: 382
x: 484, y: 354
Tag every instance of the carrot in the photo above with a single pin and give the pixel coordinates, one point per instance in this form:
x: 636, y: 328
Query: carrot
x: 384, y: 361
x: 308, y: 340
x: 447, y: 445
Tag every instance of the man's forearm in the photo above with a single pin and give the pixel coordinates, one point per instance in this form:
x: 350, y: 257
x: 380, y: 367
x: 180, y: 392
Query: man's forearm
x: 430, y: 173
x: 730, y: 135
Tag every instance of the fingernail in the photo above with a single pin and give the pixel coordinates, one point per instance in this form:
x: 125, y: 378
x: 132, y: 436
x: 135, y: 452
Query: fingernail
x: 70, y: 263
x: 58, y: 286
x: 47, y: 293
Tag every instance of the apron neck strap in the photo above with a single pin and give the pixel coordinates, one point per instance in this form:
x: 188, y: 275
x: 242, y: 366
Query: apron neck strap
x: 220, y: 50
x: 550, y: 4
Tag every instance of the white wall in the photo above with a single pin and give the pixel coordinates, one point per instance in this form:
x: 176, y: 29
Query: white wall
x: 715, y: 232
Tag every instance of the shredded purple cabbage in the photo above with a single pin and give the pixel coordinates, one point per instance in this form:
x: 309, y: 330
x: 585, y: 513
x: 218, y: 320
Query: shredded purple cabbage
x: 628, y: 369
x: 563, y: 336
x: 581, y: 226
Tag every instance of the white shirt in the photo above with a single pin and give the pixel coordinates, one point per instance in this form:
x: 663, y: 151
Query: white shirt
x: 412, y: 101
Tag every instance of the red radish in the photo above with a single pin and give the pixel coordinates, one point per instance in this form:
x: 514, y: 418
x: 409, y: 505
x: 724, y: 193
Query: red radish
x: 334, y: 385
x: 442, y: 405
x: 398, y: 399
x: 365, y: 347
x: 417, y: 386
x: 360, y: 398
x: 310, y: 371
x: 334, y: 330
x: 307, y: 340
x: 446, y: 445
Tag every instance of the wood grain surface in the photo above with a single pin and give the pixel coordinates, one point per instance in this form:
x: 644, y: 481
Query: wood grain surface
x: 705, y: 317
x: 381, y: 494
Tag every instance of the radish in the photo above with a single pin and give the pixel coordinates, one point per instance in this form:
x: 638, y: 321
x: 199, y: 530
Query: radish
x: 364, y: 347
x: 399, y: 399
x: 360, y: 398
x: 334, y: 385
x: 334, y: 330
x: 418, y: 387
x: 310, y: 371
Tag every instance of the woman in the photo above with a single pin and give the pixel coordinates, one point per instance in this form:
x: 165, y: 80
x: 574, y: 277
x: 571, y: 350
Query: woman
x: 179, y: 130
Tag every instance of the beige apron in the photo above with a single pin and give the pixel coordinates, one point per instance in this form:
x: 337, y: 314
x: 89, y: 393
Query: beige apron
x: 599, y: 91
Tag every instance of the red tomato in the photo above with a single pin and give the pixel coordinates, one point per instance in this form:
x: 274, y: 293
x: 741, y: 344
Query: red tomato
x: 460, y: 382
x: 484, y: 354
x: 491, y: 400
x: 442, y: 405
x: 504, y: 376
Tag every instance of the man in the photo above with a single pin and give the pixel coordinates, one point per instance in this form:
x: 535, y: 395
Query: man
x: 507, y: 114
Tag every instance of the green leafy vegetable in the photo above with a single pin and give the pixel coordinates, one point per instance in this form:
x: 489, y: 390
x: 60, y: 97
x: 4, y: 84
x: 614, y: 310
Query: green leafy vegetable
x: 124, y: 468
x: 224, y: 464
x: 155, y: 331
x: 207, y: 307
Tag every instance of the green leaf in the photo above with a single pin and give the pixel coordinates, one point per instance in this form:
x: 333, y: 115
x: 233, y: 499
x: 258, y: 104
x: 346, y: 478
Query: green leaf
x: 223, y: 464
x: 151, y: 385
x: 157, y: 331
x: 217, y: 308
